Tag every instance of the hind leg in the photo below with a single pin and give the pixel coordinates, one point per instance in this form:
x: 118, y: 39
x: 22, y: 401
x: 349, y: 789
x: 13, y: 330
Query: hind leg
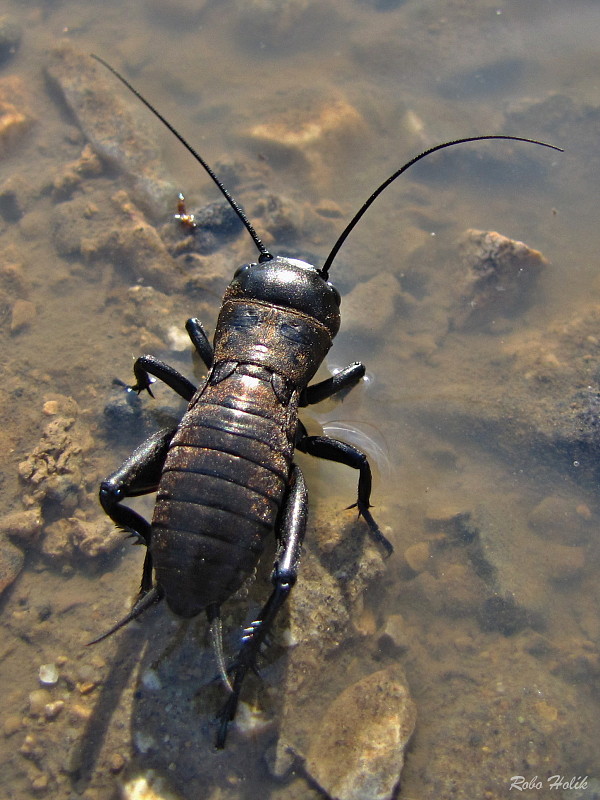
x: 284, y: 575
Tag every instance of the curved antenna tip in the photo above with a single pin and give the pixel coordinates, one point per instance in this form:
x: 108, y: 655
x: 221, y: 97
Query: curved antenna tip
x: 324, y: 271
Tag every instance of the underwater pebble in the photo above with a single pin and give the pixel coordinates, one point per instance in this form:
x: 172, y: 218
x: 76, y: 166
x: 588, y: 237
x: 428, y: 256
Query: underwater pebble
x: 151, y: 681
x: 560, y: 520
x: 38, y: 700
x: 393, y: 633
x: 149, y: 786
x: 250, y: 721
x: 52, y: 710
x: 79, y: 712
x: 22, y: 525
x: 178, y: 339
x: 499, y: 277
x: 10, y: 36
x: 15, y: 120
x: 12, y: 725
x: 23, y: 314
x: 357, y: 751
x: 365, y: 622
x: 40, y: 783
x: 143, y: 742
x: 116, y: 762
x: 48, y: 674
x: 462, y: 591
x: 91, y: 538
x: 465, y: 645
x: 31, y: 747
x: 417, y: 556
x: 297, y: 129
x: 370, y: 306
x: 11, y: 563
x: 13, y: 197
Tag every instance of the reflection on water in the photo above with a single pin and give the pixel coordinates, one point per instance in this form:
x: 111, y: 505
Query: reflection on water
x: 485, y: 435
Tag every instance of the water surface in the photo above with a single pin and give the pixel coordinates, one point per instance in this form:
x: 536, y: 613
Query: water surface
x: 482, y: 437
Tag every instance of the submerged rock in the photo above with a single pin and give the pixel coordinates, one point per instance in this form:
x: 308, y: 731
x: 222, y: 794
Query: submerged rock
x: 347, y: 725
x: 562, y: 520
x: 86, y: 228
x: 24, y: 526
x: 15, y: 115
x: 499, y: 276
x: 379, y: 296
x: 11, y: 563
x: 110, y: 125
x: 357, y: 753
x: 313, y: 130
x: 147, y: 786
x: 10, y: 37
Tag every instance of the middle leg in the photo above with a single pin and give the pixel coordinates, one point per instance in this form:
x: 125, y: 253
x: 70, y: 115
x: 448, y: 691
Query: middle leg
x: 334, y: 450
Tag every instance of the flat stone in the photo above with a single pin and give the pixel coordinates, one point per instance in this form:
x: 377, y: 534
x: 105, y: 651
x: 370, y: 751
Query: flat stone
x: 357, y: 753
x: 315, y: 130
x: 111, y: 125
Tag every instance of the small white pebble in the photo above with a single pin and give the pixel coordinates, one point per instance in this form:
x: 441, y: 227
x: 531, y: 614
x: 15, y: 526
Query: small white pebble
x: 151, y: 681
x: 48, y: 674
x: 250, y: 720
x: 52, y: 710
x: 143, y: 742
x: 178, y: 339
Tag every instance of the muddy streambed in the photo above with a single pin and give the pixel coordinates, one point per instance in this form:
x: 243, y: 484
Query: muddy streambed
x: 470, y: 290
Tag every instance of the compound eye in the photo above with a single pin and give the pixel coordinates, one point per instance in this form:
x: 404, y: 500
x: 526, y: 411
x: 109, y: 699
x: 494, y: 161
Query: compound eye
x: 296, y: 332
x: 243, y: 318
x: 336, y: 294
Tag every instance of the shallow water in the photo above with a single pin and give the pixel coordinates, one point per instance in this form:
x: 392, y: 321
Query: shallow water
x: 482, y: 435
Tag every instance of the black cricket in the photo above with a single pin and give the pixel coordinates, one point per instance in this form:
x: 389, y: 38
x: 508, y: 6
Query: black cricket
x: 225, y: 477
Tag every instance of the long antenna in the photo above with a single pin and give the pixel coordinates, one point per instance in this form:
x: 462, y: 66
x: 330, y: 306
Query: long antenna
x: 264, y: 253
x: 324, y: 271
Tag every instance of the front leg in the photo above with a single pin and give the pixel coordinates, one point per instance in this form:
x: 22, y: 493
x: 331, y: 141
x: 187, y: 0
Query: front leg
x: 144, y: 366
x: 285, y: 571
x: 344, y: 379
